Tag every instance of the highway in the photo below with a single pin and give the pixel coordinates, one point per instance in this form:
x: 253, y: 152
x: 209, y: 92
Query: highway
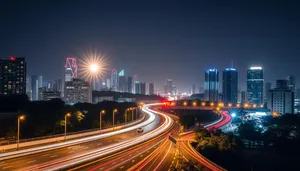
x: 158, y: 153
x: 72, y: 155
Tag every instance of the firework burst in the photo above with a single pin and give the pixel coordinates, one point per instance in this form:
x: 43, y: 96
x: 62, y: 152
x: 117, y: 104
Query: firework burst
x: 93, y: 65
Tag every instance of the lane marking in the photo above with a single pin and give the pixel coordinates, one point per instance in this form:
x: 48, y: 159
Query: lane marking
x: 99, y: 144
x: 45, y: 155
x: 121, y: 167
x: 141, y: 155
x: 6, y: 167
x: 133, y: 161
x: 53, y: 156
x: 31, y: 161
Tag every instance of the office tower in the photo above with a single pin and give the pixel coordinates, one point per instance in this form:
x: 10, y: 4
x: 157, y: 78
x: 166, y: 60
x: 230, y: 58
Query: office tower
x: 114, y: 80
x: 28, y: 88
x: 122, y: 81
x: 137, y: 87
x: 255, y: 85
x: 169, y: 86
x: 230, y: 85
x: 268, y: 87
x: 78, y: 90
x: 35, y: 87
x: 40, y: 81
x: 201, y: 90
x: 194, y: 89
x: 291, y: 82
x: 108, y: 83
x: 151, y: 89
x: 143, y: 88
x: 13, y: 76
x: 133, y: 85
x: 211, y: 85
x: 281, y: 98
x: 129, y: 84
x: 282, y: 84
x: 70, y: 69
x: 244, y: 97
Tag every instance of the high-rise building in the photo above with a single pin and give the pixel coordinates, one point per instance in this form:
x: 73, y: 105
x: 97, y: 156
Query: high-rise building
x: 282, y: 84
x: 169, y: 86
x: 122, y: 81
x: 244, y: 97
x: 291, y: 82
x: 230, y: 85
x: 137, y: 87
x: 133, y: 85
x: 108, y: 83
x: 13, y: 76
x: 211, y: 85
x: 143, y: 88
x: 255, y: 85
x: 281, y: 99
x: 114, y: 80
x: 35, y: 87
x: 28, y: 88
x: 78, y: 90
x: 151, y: 89
x: 268, y: 87
x: 40, y: 81
x: 129, y: 84
x: 70, y: 69
x: 194, y: 89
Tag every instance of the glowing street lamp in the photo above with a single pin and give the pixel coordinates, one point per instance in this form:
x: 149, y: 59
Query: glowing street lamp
x: 20, y: 118
x: 102, y: 112
x: 203, y: 103
x: 238, y: 105
x: 114, y: 111
x: 254, y: 105
x: 212, y: 104
x: 66, y: 115
x: 194, y: 103
x: 184, y: 103
x: 229, y: 105
x: 246, y: 105
x: 261, y: 106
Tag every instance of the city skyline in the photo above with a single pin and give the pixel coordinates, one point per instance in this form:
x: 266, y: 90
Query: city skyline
x: 182, y: 39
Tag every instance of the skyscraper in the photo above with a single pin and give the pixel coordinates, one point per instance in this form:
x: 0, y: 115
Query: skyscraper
x: 169, y: 86
x: 35, y: 87
x: 129, y: 84
x: 13, y: 76
x: 114, y: 80
x: 133, y: 85
x: 143, y: 88
x: 70, y: 69
x: 28, y: 88
x: 268, y: 87
x: 211, y: 85
x: 255, y: 85
x: 137, y: 87
x: 122, y: 81
x: 291, y: 82
x: 151, y: 89
x: 194, y: 89
x: 230, y: 85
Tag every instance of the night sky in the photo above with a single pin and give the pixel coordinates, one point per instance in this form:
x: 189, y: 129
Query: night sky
x: 156, y: 40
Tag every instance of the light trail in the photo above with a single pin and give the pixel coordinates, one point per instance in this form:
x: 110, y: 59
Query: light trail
x: 34, y: 150
x: 92, y: 155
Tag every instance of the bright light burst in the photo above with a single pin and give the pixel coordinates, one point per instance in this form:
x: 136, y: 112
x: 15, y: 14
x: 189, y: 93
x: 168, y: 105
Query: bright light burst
x: 93, y: 65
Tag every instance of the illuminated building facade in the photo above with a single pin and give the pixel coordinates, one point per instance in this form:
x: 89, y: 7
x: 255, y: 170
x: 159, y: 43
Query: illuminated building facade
x: 77, y: 90
x: 211, y: 85
x: 114, y: 80
x: 70, y: 69
x: 255, y: 85
x: 13, y: 76
x: 122, y: 81
x: 230, y: 85
x: 151, y: 89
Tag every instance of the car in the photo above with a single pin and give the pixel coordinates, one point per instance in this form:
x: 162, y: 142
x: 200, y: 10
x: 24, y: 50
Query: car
x: 139, y: 130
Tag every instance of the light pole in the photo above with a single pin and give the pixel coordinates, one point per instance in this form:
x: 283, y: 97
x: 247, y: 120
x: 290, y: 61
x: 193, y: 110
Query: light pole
x: 132, y: 113
x: 101, y: 112
x: 66, y: 115
x: 114, y: 111
x: 184, y: 104
x: 20, y: 118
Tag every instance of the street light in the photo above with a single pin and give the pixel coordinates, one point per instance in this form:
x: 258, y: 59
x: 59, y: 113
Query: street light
x: 101, y: 113
x: 238, y: 105
x: 203, y: 103
x: 212, y: 104
x: 126, y: 115
x: 114, y: 111
x: 131, y: 113
x: 20, y: 118
x: 229, y: 105
x: 184, y: 103
x: 66, y: 115
x: 194, y: 103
